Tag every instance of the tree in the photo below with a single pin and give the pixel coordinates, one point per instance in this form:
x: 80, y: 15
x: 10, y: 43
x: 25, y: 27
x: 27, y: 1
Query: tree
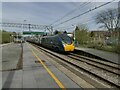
x: 82, y: 34
x: 65, y: 32
x: 109, y: 19
x: 56, y: 32
x: 92, y: 34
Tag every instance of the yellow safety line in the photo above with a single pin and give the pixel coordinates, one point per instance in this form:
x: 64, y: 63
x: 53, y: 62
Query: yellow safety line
x: 51, y: 74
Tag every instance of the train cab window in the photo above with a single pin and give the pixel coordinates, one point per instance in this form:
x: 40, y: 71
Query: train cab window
x: 66, y: 38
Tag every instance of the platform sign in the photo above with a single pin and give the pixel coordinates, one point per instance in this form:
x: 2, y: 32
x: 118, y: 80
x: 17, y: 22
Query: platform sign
x: 33, y: 33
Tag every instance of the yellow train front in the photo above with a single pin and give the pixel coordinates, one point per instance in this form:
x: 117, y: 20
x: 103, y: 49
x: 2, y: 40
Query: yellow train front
x: 68, y: 47
x: 60, y: 43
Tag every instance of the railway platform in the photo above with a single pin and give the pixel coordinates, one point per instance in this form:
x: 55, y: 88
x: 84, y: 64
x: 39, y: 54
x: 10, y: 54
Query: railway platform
x: 109, y: 56
x: 10, y: 56
x: 36, y: 71
x: 2, y: 45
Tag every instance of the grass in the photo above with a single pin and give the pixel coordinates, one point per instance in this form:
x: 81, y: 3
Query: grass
x: 0, y: 36
x: 109, y: 48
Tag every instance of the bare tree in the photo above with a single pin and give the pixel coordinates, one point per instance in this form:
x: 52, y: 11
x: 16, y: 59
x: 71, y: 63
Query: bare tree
x: 109, y: 19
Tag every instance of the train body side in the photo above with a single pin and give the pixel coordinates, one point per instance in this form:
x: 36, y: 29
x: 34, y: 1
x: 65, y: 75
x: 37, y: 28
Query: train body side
x: 59, y: 43
x: 53, y: 43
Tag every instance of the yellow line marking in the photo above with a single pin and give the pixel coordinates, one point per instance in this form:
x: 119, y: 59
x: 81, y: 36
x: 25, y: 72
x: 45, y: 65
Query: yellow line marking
x: 51, y: 74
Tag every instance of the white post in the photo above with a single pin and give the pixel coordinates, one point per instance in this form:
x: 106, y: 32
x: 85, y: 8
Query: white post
x: 23, y: 28
x: 74, y: 33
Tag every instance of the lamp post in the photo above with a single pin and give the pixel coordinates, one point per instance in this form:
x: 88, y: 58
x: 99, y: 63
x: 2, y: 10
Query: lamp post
x: 74, y: 33
x: 23, y: 26
x: 23, y: 30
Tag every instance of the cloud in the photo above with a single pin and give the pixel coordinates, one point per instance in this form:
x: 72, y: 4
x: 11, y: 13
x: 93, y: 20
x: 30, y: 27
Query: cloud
x: 58, y: 0
x: 89, y: 16
x: 46, y: 13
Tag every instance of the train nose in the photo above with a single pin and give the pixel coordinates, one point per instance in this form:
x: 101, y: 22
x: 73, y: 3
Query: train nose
x: 69, y: 47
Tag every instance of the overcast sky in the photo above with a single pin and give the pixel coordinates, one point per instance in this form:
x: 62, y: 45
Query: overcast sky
x: 45, y: 13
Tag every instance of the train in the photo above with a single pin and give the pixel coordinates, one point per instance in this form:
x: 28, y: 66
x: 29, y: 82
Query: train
x: 18, y: 39
x: 59, y: 42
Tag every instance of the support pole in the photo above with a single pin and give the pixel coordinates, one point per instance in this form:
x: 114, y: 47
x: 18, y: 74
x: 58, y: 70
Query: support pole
x: 29, y: 27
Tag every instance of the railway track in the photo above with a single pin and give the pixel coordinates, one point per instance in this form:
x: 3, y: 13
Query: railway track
x: 86, y: 54
x: 92, y: 71
x: 105, y: 71
x: 108, y: 66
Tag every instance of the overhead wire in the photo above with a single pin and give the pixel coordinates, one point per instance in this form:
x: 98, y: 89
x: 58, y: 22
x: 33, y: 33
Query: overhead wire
x: 76, y: 23
x: 67, y: 14
x: 66, y: 27
x: 88, y: 21
x: 85, y: 12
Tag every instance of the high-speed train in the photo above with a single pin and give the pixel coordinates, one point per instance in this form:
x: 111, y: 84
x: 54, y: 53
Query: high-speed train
x: 59, y: 42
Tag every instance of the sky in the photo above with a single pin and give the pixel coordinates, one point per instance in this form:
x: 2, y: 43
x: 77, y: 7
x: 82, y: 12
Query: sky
x: 46, y: 13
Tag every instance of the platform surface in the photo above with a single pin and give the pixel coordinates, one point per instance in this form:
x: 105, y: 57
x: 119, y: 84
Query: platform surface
x: 113, y: 57
x: 33, y: 74
x: 10, y: 55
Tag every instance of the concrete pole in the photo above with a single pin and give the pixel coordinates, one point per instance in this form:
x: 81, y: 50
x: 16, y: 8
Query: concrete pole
x: 74, y: 33
x: 29, y: 27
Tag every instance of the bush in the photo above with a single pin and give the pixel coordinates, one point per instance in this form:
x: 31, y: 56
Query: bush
x: 117, y: 48
x: 5, y: 37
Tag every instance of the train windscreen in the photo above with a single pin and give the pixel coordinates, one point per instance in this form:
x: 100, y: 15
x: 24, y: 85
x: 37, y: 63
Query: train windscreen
x: 66, y: 39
